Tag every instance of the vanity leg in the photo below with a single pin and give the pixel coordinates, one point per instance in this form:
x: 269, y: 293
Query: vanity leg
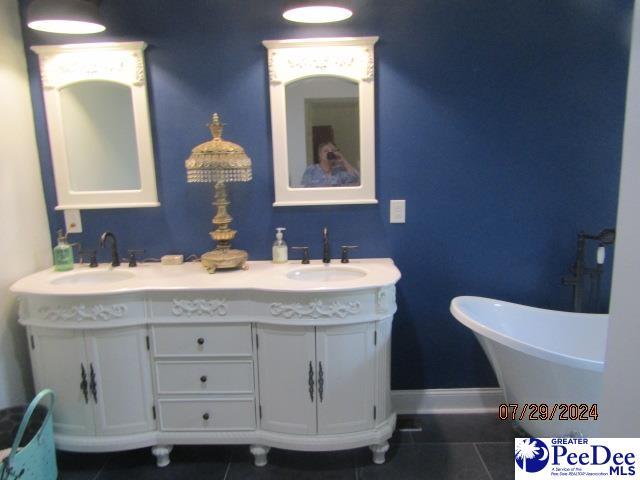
x: 378, y: 452
x: 161, y: 452
x: 260, y: 453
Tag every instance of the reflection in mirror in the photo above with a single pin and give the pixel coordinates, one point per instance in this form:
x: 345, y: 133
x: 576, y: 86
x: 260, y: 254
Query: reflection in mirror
x: 99, y: 134
x: 323, y: 132
x: 322, y: 95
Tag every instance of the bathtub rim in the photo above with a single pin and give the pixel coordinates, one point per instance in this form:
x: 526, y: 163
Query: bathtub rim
x: 481, y: 329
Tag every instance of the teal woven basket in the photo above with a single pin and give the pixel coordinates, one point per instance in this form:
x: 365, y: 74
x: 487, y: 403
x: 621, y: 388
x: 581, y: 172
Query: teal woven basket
x: 37, y: 459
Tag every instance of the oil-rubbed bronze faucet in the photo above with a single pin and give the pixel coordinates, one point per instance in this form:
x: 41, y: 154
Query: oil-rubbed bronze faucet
x: 326, y: 252
x: 115, y: 258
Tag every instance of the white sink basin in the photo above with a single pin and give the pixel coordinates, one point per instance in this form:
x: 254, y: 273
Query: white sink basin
x: 326, y: 274
x: 92, y: 277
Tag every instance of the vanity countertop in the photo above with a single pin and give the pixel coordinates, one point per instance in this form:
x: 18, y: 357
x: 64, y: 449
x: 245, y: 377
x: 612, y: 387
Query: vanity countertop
x: 359, y: 274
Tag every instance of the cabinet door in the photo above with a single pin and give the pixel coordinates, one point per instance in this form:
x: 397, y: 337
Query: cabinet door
x: 58, y: 360
x: 119, y: 361
x: 286, y: 364
x: 346, y: 378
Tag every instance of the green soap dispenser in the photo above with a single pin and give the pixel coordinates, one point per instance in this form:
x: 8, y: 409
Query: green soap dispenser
x: 62, y: 254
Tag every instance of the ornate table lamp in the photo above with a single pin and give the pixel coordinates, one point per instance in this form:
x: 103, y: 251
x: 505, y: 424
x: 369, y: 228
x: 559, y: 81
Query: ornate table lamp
x: 219, y: 161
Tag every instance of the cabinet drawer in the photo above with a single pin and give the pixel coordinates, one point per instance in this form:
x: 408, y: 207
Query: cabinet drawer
x: 212, y: 340
x: 220, y: 376
x: 236, y: 413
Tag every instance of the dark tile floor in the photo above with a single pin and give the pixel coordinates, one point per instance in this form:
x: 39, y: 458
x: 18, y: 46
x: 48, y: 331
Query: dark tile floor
x: 464, y: 447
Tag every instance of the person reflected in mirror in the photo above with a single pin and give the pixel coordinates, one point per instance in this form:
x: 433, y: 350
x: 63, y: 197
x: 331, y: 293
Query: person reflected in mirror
x: 330, y: 169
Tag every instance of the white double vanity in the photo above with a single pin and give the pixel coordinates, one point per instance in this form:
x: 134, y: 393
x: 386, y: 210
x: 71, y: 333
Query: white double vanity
x: 288, y: 356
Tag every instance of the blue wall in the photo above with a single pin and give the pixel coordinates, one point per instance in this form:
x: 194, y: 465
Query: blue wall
x: 499, y: 122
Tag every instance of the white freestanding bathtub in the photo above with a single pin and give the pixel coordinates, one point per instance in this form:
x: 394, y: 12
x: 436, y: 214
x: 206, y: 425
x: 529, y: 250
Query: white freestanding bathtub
x: 541, y: 357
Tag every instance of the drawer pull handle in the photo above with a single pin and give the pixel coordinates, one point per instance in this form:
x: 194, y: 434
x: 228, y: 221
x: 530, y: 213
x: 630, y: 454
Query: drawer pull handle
x: 205, y: 416
x: 201, y: 341
x: 203, y: 378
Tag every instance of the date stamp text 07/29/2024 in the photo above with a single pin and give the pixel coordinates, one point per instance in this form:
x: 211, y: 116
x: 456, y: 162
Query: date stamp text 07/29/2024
x: 548, y: 412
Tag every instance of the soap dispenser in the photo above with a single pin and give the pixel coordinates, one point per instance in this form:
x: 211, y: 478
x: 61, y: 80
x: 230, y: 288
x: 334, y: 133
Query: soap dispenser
x: 62, y: 254
x: 279, y: 250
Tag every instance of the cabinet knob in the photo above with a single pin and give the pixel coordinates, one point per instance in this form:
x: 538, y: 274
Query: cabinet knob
x: 200, y: 341
x: 203, y: 378
x: 205, y: 416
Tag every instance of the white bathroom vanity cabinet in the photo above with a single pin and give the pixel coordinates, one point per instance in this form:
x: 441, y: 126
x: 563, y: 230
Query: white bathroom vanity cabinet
x: 286, y: 356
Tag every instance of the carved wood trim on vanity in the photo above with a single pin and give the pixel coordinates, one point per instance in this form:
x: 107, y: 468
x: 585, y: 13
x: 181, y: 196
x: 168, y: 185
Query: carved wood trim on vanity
x: 199, y: 307
x: 385, y: 299
x: 81, y: 313
x: 315, y: 309
x: 332, y: 308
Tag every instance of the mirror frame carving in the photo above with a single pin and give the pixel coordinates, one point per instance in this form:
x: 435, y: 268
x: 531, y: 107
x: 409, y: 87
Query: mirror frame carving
x: 118, y: 62
x: 351, y: 58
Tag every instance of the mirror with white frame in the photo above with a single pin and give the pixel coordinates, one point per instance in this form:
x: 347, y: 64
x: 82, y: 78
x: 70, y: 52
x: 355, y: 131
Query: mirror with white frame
x: 98, y: 121
x: 322, y: 120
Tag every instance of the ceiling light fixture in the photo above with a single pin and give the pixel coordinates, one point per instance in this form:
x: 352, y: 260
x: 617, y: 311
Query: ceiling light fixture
x: 74, y: 17
x: 317, y: 11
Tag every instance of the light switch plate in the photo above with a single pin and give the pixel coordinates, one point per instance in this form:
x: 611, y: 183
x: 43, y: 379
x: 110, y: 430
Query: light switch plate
x: 397, y: 211
x: 73, y: 221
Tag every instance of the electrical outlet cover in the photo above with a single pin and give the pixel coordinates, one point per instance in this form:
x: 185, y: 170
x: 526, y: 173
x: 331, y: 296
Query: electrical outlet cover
x: 73, y: 221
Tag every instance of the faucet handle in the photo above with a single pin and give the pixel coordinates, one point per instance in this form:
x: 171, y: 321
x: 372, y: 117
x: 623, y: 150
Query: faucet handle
x: 133, y: 262
x: 305, y: 254
x: 344, y: 257
x: 93, y: 261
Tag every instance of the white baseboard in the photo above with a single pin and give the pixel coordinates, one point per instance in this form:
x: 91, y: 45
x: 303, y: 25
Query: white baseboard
x: 447, y: 400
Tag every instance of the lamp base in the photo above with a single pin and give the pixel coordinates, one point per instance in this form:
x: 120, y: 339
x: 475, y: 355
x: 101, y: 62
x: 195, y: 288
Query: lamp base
x: 223, y: 259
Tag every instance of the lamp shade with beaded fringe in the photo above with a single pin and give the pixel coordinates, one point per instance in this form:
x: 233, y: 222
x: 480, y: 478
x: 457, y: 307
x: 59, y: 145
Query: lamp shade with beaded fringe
x: 218, y: 160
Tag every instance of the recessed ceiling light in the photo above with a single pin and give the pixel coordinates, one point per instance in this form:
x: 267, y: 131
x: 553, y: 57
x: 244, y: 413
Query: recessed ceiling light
x: 317, y: 11
x: 65, y: 16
